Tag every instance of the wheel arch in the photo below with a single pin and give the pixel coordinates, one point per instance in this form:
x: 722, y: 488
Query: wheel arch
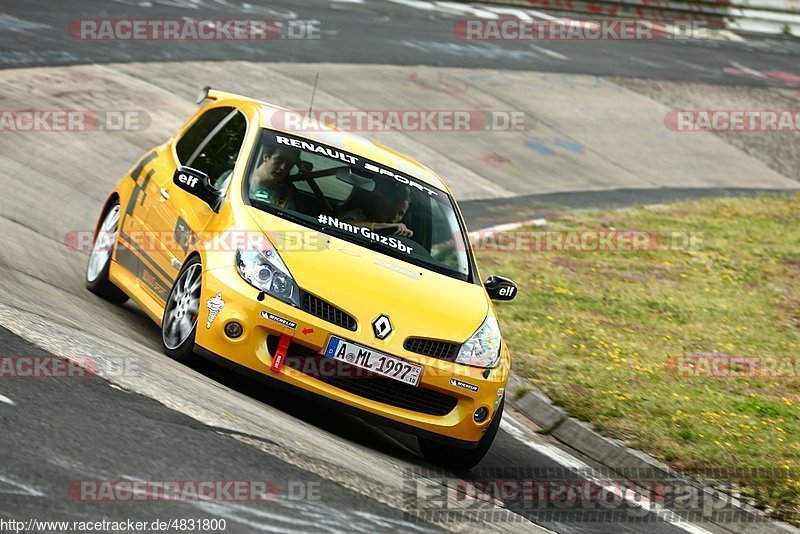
x: 194, y: 253
x: 113, y: 197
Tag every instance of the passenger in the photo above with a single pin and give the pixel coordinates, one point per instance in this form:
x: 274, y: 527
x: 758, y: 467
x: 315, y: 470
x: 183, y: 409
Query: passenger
x: 386, y: 210
x: 269, y: 181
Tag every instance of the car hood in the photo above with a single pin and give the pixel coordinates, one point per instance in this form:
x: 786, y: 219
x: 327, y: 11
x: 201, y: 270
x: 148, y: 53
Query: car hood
x: 366, y: 284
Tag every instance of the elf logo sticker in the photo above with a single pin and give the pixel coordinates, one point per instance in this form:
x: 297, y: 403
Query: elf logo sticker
x: 190, y: 181
x: 382, y: 327
x: 459, y: 383
x: 507, y: 291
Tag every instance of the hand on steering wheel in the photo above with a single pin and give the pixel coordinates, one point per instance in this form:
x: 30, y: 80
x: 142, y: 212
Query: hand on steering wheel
x: 404, y: 231
x: 396, y: 229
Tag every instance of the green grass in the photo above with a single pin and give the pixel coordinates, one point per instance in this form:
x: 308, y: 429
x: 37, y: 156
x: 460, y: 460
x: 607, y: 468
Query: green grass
x: 597, y: 331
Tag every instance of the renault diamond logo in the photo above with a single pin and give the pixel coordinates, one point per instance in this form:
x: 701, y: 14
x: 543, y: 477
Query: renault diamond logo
x: 382, y: 327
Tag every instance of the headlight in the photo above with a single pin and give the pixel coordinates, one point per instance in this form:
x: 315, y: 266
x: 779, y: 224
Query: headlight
x: 264, y: 269
x: 483, y: 348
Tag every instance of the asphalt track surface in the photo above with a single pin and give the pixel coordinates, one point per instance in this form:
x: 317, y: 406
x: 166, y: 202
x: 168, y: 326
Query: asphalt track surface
x: 203, y: 422
x: 32, y: 33
x: 85, y: 429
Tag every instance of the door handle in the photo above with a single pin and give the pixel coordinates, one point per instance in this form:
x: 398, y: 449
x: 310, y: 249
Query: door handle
x: 164, y: 194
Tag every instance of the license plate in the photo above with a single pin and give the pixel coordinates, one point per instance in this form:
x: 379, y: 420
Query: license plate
x: 373, y: 361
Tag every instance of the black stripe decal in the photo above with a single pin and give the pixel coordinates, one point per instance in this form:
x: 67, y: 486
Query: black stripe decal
x: 164, y: 276
x: 144, y: 185
x: 142, y: 164
x: 135, y: 194
x: 130, y: 261
x: 127, y: 258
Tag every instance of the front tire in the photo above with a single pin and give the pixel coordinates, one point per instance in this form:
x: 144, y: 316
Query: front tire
x: 97, y: 280
x: 181, y: 312
x: 456, y: 458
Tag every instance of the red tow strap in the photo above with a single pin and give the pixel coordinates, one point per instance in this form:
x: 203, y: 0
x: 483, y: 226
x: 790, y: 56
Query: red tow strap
x: 280, y: 354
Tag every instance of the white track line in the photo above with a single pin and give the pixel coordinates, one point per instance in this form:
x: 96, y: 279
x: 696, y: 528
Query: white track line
x: 6, y: 400
x: 521, y: 14
x: 459, y: 8
x: 417, y: 4
x: 551, y: 53
x: 18, y: 488
x: 748, y: 70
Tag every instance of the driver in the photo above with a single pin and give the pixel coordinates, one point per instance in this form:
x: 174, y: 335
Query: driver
x: 385, y: 212
x: 269, y: 182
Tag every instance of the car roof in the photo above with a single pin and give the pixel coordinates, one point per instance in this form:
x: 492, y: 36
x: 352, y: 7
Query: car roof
x: 274, y: 117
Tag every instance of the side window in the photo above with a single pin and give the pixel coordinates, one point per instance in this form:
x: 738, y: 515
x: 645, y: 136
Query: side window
x: 217, y: 157
x: 197, y: 133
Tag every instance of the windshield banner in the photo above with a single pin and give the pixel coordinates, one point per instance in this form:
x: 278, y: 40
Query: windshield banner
x: 350, y: 159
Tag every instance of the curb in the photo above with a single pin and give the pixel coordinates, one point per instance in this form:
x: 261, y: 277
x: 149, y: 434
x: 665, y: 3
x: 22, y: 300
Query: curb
x: 615, y: 455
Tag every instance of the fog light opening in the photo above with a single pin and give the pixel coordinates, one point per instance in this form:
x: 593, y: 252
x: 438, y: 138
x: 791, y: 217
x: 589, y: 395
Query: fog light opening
x: 234, y: 330
x: 481, y: 414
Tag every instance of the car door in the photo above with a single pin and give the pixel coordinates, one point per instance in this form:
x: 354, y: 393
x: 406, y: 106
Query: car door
x: 211, y: 145
x: 136, y: 242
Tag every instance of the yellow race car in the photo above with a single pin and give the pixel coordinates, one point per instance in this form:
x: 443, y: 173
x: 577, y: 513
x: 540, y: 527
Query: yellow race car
x: 316, y: 258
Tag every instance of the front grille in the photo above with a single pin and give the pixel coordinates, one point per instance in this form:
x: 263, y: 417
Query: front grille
x: 363, y: 383
x: 326, y: 311
x: 444, y: 350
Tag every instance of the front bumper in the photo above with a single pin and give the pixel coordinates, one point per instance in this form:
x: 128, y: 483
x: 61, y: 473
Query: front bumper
x: 309, y: 338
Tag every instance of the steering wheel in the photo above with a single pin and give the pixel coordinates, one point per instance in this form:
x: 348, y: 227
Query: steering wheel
x: 386, y: 231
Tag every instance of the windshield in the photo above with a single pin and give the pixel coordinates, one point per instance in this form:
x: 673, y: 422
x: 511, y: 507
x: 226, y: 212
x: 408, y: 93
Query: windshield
x: 355, y: 199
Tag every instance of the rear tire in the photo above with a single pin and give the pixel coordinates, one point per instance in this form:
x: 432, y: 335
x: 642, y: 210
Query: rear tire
x: 182, y: 311
x: 100, y: 258
x: 450, y: 457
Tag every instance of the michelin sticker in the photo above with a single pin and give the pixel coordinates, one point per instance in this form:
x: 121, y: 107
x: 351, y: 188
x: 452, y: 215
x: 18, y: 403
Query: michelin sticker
x: 215, y: 305
x: 278, y: 319
x: 464, y: 385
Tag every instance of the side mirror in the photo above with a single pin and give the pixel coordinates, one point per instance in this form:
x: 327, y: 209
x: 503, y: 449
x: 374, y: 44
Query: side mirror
x: 500, y: 288
x: 197, y: 183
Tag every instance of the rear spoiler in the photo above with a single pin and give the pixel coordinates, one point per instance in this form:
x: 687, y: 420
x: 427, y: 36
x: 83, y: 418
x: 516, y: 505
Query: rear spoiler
x: 207, y: 93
